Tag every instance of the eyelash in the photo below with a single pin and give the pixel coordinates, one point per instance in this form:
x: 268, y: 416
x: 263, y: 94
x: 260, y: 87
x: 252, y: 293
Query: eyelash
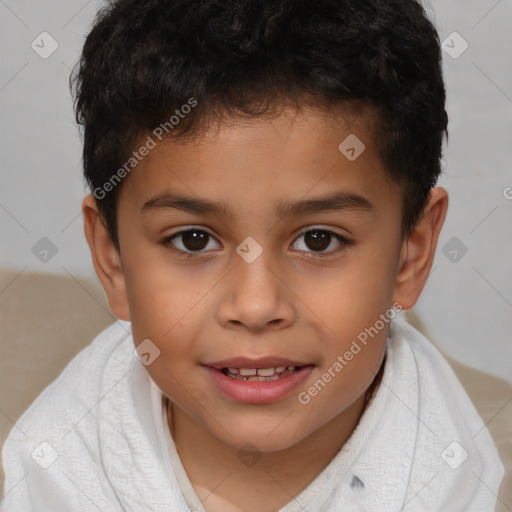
x: 198, y: 254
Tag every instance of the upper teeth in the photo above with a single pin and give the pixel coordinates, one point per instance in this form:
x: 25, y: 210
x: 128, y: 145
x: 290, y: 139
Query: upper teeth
x: 261, y: 372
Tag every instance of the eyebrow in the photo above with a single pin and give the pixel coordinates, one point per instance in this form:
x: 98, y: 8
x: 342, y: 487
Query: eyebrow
x: 335, y: 201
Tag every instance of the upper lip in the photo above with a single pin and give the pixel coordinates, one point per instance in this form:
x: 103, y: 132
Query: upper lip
x: 262, y: 362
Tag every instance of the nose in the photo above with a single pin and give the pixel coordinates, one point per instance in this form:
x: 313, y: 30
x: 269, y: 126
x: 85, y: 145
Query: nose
x: 256, y: 297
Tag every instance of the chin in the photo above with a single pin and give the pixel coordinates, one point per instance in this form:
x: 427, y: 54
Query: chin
x: 257, y: 439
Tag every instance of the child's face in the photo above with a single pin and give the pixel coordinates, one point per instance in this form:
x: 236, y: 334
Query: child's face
x: 304, y: 299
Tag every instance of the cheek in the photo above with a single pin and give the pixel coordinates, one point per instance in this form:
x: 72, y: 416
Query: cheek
x: 340, y: 384
x: 160, y: 312
x: 357, y: 311
x: 165, y: 318
x: 162, y: 294
x: 353, y: 296
x: 351, y: 357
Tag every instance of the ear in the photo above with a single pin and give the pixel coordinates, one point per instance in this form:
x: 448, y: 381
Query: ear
x: 417, y: 253
x: 105, y: 258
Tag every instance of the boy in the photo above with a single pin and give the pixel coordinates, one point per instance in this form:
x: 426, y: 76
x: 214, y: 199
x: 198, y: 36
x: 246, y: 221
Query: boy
x: 263, y: 206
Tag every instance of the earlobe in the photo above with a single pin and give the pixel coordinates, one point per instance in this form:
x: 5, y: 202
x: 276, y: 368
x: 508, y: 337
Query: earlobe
x: 418, y: 251
x: 105, y: 258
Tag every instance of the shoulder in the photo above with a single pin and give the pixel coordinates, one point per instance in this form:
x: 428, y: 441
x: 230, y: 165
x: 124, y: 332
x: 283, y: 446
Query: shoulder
x: 71, y: 397
x: 492, y: 399
x: 449, y: 423
x: 54, y: 445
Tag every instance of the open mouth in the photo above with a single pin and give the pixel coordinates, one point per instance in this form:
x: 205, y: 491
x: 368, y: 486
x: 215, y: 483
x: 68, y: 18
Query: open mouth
x: 260, y: 374
x: 265, y: 382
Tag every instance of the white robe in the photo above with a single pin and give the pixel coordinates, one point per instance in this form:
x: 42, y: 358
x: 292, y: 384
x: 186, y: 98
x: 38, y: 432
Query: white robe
x: 97, y: 439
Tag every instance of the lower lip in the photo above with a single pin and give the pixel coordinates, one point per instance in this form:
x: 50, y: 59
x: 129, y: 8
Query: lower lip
x: 255, y: 392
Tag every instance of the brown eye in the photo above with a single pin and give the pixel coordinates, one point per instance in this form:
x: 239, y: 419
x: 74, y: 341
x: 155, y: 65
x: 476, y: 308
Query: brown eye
x: 318, y: 240
x: 192, y: 240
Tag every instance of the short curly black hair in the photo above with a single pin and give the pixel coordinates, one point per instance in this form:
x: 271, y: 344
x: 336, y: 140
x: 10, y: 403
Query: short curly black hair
x: 144, y: 60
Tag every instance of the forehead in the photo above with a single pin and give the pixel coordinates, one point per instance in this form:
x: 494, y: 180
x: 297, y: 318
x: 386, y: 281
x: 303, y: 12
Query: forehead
x: 243, y: 164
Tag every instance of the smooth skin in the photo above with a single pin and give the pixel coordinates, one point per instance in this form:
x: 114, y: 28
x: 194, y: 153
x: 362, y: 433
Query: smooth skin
x: 299, y: 299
